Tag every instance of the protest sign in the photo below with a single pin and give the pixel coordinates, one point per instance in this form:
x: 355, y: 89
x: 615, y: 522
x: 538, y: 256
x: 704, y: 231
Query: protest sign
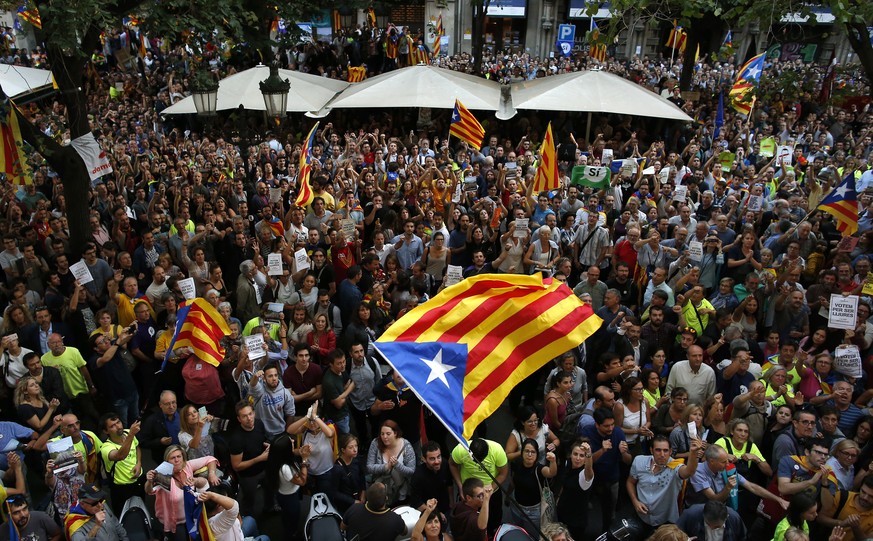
x: 274, y: 264
x: 186, y: 286
x: 81, y: 273
x: 695, y: 250
x: 847, y: 361
x: 454, y: 274
x: 843, y: 312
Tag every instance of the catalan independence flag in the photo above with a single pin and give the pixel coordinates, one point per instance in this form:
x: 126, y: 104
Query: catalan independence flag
x: 597, y: 51
x: 305, y: 195
x: 195, y: 518
x: 200, y: 327
x: 547, y: 172
x: 277, y: 227
x: 30, y: 14
x: 463, y: 351
x: 465, y: 126
x: 677, y: 38
x: 842, y: 204
x: 13, y: 161
x: 748, y: 75
x: 75, y: 518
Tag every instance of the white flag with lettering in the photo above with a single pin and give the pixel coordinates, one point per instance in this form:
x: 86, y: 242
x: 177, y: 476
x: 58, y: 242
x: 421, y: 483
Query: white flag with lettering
x: 94, y: 157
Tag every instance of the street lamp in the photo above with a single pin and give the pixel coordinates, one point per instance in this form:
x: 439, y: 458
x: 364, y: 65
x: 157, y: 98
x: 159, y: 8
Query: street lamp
x: 275, y: 91
x: 204, y: 90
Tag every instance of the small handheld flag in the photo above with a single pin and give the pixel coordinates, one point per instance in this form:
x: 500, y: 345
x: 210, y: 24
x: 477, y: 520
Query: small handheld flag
x: 842, y: 204
x: 305, y: 195
x: 465, y: 126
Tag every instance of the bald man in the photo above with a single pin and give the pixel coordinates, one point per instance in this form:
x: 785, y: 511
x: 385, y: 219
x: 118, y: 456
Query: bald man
x: 77, y: 380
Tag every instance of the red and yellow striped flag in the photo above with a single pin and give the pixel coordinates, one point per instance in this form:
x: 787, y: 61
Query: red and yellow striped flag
x: 200, y: 327
x: 547, y: 172
x: 13, y: 161
x: 598, y: 52
x: 677, y: 38
x: 439, y: 34
x: 371, y: 17
x: 357, y: 74
x: 465, y: 126
x: 305, y: 195
x: 463, y: 351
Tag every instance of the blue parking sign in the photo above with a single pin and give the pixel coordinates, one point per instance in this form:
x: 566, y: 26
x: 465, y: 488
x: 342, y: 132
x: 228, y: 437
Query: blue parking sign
x: 566, y: 32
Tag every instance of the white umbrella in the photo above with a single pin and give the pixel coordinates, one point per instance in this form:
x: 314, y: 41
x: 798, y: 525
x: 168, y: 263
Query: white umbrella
x: 18, y: 80
x: 420, y: 86
x: 593, y: 92
x: 308, y: 92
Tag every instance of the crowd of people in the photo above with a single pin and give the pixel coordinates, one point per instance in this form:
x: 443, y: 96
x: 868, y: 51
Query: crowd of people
x: 709, y: 398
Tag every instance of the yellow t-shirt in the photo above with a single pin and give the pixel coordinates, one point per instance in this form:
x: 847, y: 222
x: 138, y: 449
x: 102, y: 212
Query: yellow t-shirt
x: 494, y: 460
x: 123, y: 474
x: 69, y: 363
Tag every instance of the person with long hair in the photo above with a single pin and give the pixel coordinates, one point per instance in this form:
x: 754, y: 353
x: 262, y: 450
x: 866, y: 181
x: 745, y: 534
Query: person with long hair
x: 191, y: 437
x: 360, y: 330
x: 746, y: 316
x: 862, y: 432
x: 391, y: 461
x: 168, y: 500
x: 301, y: 325
x: 430, y: 525
x: 528, y: 476
x: 529, y: 425
x: 576, y: 479
x: 558, y: 399
x: 652, y: 389
x: 347, y: 476
x: 286, y: 473
x: 802, y: 509
x: 815, y: 343
x: 777, y: 424
x: 321, y: 340
x: 32, y: 407
x: 713, y: 418
x: 632, y: 413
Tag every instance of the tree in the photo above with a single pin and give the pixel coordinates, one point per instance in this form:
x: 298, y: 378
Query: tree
x: 71, y: 33
x: 480, y: 9
x: 850, y: 16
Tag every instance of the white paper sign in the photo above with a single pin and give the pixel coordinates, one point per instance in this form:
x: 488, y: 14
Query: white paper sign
x: 276, y: 307
x: 348, y: 227
x: 274, y: 264
x: 606, y: 157
x: 255, y: 345
x: 81, y: 273
x: 847, y: 361
x: 695, y: 250
x: 456, y: 196
x: 756, y: 203
x: 165, y: 468
x: 275, y: 195
x: 521, y: 225
x: 664, y: 175
x: 186, y: 286
x: 692, y: 430
x: 783, y: 154
x: 680, y: 193
x: 454, y: 274
x: 301, y: 260
x: 843, y: 312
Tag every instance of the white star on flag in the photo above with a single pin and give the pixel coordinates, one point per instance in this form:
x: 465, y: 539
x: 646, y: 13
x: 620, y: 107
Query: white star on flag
x: 752, y: 72
x: 438, y: 369
x: 841, y: 191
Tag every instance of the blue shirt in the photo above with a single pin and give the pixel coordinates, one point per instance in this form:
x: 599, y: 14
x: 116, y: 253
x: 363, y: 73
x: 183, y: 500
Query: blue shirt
x: 409, y: 252
x: 606, y: 467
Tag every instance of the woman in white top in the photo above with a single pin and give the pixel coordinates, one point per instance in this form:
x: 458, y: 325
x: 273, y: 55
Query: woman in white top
x: 285, y: 474
x: 514, y: 248
x: 632, y: 412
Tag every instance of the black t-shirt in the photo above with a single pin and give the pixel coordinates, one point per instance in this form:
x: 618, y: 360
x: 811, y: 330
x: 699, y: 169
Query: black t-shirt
x: 527, y: 486
x: 373, y: 526
x: 113, y: 378
x: 427, y: 484
x: 406, y: 412
x: 249, y: 445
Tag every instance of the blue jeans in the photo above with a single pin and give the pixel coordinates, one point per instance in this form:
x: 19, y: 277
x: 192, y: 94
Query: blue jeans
x: 343, y: 425
x: 127, y: 408
x: 250, y: 529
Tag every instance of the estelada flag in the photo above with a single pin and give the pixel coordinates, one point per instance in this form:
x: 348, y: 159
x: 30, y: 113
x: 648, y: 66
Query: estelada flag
x: 547, y: 172
x: 465, y: 126
x: 357, y: 74
x: 842, y: 204
x: 306, y: 195
x: 463, y: 351
x: 200, y: 327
